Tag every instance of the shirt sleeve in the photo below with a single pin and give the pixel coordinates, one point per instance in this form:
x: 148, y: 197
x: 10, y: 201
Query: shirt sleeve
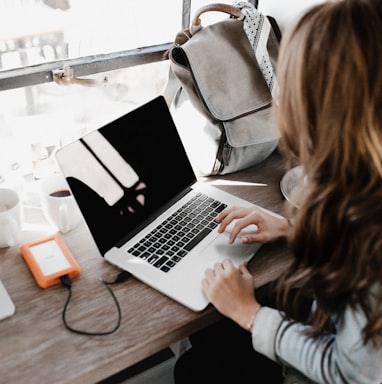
x: 339, y: 357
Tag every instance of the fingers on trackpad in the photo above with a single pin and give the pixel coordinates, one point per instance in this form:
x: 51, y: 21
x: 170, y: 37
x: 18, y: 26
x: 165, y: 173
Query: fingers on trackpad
x: 250, y: 229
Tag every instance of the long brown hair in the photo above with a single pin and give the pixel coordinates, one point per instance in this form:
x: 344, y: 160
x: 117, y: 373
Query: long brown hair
x: 330, y: 117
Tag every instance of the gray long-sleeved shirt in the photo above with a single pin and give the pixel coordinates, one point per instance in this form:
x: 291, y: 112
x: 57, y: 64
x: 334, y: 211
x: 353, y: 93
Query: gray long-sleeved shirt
x: 337, y: 358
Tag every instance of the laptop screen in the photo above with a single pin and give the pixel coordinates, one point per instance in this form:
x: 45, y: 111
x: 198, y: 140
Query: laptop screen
x: 126, y: 171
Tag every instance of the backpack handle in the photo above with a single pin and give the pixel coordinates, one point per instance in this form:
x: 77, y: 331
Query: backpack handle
x: 215, y: 7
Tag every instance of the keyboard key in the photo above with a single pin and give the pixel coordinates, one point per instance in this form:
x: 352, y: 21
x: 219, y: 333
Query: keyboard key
x: 197, y: 239
x: 171, y: 241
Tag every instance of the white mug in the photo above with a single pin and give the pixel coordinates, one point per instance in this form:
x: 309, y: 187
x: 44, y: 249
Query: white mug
x: 10, y: 217
x: 58, y: 204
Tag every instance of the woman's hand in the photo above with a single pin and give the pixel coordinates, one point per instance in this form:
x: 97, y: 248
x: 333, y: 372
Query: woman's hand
x: 269, y: 226
x: 231, y: 291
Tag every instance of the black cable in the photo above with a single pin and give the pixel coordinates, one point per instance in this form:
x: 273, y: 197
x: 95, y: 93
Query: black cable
x: 66, y: 282
x: 122, y: 276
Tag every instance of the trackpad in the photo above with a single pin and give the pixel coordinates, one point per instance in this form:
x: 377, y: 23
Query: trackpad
x: 221, y: 249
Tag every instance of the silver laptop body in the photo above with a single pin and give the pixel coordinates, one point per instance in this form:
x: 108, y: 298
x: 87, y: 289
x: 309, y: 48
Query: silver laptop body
x: 130, y: 176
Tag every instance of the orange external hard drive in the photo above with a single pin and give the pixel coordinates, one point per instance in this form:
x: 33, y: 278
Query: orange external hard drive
x: 49, y: 259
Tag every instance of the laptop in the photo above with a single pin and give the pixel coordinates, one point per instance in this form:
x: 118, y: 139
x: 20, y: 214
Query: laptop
x: 7, y: 307
x: 142, y: 203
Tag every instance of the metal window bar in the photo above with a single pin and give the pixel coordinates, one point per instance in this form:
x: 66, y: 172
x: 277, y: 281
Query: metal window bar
x: 42, y: 73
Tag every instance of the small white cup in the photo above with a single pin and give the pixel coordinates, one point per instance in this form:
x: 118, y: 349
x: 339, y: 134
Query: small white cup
x: 58, y: 204
x: 10, y: 217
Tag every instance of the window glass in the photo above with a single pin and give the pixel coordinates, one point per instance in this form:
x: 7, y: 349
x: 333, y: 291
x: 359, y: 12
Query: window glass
x: 36, y: 120
x: 34, y: 31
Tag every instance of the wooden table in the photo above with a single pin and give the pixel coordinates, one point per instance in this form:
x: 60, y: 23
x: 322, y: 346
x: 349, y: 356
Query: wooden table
x: 36, y: 347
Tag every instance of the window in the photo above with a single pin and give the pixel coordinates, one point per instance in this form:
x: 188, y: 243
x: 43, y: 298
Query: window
x: 121, y: 41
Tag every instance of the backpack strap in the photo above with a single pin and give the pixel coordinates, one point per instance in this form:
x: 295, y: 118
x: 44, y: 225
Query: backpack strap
x: 257, y: 28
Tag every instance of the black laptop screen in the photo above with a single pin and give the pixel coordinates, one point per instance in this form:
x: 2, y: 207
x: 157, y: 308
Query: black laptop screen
x: 126, y: 171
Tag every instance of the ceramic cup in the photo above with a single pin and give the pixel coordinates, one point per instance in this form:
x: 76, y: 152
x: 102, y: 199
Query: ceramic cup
x: 58, y: 204
x: 10, y: 217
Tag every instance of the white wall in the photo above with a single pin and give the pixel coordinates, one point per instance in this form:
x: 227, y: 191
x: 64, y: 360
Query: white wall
x: 285, y: 12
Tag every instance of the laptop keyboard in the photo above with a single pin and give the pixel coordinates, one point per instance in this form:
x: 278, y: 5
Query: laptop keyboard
x: 174, y: 238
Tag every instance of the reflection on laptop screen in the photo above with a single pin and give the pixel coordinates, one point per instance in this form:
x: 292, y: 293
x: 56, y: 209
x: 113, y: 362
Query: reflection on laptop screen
x: 123, y: 172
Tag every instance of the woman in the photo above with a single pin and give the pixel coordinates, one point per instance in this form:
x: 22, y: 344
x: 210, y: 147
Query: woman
x: 330, y: 118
